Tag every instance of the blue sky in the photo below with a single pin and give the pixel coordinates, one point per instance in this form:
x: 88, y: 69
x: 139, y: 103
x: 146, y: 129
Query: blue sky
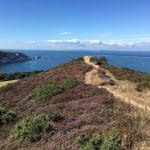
x: 75, y: 24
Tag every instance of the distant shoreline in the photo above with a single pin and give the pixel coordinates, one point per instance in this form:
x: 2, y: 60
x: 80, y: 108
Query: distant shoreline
x: 7, y: 57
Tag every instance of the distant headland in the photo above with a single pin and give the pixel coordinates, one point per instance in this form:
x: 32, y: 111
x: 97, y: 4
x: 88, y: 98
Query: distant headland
x: 12, y: 57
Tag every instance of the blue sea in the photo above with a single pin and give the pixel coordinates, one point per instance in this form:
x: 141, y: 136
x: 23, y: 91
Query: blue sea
x: 135, y: 60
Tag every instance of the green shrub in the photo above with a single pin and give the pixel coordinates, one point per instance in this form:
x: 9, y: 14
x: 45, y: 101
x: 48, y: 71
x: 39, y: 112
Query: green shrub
x: 55, y: 116
x: 78, y: 59
x: 69, y: 83
x: 42, y: 92
x: 142, y: 81
x: 50, y: 89
x: 30, y: 128
x: 6, y: 115
x: 107, y: 141
x: 111, y: 140
x: 99, y: 61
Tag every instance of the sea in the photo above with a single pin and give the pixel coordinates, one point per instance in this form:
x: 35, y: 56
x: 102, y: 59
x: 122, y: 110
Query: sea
x: 136, y: 60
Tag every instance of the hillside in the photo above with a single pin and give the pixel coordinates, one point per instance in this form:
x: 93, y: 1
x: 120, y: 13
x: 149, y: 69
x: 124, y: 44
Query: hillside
x: 59, y: 109
x: 12, y: 57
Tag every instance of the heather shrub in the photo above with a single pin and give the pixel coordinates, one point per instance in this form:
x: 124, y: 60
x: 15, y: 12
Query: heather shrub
x: 55, y: 117
x: 6, y: 115
x: 7, y: 88
x: 42, y: 92
x: 30, y: 128
x: 107, y: 141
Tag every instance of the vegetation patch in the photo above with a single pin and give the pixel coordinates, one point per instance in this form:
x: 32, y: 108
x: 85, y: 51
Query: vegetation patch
x: 17, y: 75
x: 50, y: 89
x: 6, y: 116
x: 107, y: 141
x: 69, y: 83
x: 42, y: 92
x: 55, y: 117
x: 99, y: 61
x: 142, y: 81
x: 131, y: 121
x: 30, y: 128
x: 78, y: 59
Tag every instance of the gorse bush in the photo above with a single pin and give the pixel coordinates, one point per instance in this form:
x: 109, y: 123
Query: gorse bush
x: 78, y: 59
x: 108, y: 141
x: 111, y: 140
x: 50, y: 89
x: 86, y: 142
x: 43, y: 91
x: 30, y: 128
x: 55, y: 117
x: 6, y: 115
x: 69, y: 83
x: 99, y: 61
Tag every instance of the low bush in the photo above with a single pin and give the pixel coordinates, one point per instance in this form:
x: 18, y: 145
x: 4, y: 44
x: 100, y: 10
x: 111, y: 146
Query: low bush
x: 99, y: 61
x: 69, y: 83
x: 108, y: 141
x: 6, y: 116
x: 50, y: 89
x: 111, y: 140
x: 30, y: 128
x: 78, y: 59
x: 42, y: 92
x: 55, y: 117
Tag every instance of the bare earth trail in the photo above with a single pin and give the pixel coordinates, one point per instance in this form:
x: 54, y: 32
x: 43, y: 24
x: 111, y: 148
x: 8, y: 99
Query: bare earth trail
x: 123, y: 90
x: 5, y: 83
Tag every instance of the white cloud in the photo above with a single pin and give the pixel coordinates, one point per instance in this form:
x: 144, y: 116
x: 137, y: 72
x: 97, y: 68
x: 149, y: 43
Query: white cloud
x: 87, y: 44
x: 65, y: 33
x: 71, y: 41
x: 94, y: 42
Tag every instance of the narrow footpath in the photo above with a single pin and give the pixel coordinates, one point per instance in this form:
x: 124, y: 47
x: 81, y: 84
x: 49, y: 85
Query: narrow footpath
x: 122, y: 89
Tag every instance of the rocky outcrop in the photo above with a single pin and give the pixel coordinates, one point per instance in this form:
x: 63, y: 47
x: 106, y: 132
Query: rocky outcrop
x: 12, y: 57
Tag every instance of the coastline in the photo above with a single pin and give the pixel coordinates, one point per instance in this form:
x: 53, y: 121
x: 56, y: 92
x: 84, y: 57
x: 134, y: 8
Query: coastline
x: 8, y: 57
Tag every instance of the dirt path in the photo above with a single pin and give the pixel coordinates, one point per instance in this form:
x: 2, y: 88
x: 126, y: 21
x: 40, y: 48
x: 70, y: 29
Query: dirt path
x: 123, y: 90
x: 5, y: 83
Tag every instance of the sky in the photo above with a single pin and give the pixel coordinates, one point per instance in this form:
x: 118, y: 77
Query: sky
x: 75, y: 24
